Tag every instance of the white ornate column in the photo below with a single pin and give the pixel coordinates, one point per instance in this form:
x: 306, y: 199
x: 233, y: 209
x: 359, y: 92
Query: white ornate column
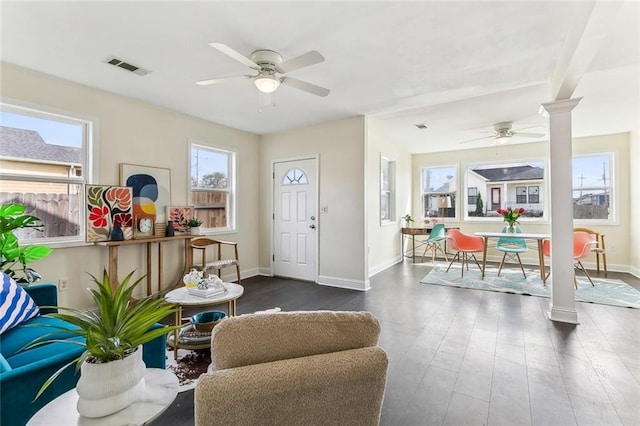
x: 562, y: 307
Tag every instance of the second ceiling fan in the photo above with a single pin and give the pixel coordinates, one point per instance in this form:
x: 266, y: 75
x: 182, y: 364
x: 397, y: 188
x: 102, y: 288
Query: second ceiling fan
x: 270, y: 69
x: 502, y: 133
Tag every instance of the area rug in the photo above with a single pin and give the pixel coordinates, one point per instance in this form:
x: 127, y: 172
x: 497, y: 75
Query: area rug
x: 189, y: 366
x: 606, y: 291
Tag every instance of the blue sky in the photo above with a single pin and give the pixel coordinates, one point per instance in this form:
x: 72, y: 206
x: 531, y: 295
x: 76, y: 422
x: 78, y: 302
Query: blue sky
x: 53, y: 132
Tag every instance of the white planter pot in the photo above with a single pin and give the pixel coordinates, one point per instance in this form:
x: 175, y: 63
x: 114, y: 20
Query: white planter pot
x: 104, y: 389
x: 195, y: 230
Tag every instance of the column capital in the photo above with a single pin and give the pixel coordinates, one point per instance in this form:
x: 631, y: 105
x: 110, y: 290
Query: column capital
x: 564, y: 105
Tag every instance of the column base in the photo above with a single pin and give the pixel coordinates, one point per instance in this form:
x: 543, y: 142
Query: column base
x: 557, y: 314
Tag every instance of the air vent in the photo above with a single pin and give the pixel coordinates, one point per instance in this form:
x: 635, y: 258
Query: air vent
x: 127, y: 66
x: 421, y: 126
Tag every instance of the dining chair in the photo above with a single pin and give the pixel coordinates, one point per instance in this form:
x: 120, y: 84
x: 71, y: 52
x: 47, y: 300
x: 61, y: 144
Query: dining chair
x: 599, y: 248
x: 219, y: 261
x: 582, y: 245
x: 437, y: 236
x: 465, y: 244
x: 511, y: 247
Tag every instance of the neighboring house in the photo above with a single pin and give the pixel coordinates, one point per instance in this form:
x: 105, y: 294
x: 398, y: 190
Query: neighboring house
x: 25, y: 152
x: 512, y: 186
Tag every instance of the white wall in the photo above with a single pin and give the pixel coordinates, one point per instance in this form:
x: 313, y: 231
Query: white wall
x: 383, y: 241
x: 133, y: 132
x: 617, y: 234
x: 634, y: 206
x: 339, y: 146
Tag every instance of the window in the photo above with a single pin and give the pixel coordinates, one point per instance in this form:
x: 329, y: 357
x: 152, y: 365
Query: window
x: 387, y: 190
x: 503, y: 185
x: 45, y: 160
x: 295, y: 177
x: 472, y: 196
x: 438, y: 187
x: 592, y: 187
x: 212, y: 189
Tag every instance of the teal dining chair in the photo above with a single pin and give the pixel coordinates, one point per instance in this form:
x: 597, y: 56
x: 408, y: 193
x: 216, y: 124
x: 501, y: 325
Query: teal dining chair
x: 435, y: 242
x: 511, y: 247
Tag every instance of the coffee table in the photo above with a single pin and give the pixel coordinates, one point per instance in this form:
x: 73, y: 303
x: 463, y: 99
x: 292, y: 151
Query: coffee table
x: 160, y: 391
x: 180, y: 297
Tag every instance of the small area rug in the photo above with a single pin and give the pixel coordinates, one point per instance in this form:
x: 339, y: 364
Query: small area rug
x: 606, y: 291
x: 189, y: 366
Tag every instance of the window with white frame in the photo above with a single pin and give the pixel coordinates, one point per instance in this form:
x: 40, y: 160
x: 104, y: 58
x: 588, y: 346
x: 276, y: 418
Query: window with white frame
x: 592, y: 187
x: 212, y: 186
x: 387, y: 190
x: 438, y: 191
x: 503, y: 185
x: 45, y: 160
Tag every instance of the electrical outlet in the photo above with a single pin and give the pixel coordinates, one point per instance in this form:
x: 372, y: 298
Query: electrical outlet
x: 63, y: 284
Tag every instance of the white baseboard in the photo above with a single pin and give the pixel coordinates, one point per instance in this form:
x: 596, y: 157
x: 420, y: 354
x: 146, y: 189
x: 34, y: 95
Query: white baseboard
x: 344, y: 283
x: 381, y: 267
x: 565, y: 315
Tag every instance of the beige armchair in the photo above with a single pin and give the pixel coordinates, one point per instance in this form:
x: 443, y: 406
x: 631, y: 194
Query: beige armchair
x: 294, y: 368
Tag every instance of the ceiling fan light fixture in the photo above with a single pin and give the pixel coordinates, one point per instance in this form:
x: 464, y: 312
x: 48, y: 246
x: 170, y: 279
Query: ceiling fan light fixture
x: 266, y: 83
x: 502, y: 139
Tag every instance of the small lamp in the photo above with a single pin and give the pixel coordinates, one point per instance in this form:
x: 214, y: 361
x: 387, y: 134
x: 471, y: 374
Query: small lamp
x: 444, y: 202
x: 266, y: 83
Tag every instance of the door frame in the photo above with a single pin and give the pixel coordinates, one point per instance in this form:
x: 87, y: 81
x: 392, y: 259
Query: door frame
x: 316, y: 161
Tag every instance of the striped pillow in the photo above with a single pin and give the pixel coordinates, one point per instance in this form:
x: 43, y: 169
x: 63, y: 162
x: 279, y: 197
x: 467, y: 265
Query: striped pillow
x: 16, y: 305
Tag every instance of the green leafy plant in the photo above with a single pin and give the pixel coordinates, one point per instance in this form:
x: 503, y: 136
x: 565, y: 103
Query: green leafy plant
x: 115, y: 328
x: 194, y: 222
x: 408, y: 218
x: 13, y: 258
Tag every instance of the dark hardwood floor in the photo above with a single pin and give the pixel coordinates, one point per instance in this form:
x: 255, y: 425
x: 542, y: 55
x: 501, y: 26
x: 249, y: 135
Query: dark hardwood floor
x: 468, y: 357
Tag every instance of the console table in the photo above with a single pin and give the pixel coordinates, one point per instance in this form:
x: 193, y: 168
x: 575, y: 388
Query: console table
x: 113, y: 246
x: 412, y: 232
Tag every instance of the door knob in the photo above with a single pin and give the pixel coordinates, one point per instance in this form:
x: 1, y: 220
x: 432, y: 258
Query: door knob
x: 312, y: 226
x: 313, y: 218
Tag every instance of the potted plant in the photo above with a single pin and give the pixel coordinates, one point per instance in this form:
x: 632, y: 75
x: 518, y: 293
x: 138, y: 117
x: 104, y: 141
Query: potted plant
x: 408, y: 220
x: 194, y: 225
x: 111, y: 367
x: 13, y: 258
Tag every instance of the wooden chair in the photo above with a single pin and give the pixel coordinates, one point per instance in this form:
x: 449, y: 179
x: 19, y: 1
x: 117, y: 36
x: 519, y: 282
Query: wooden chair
x: 219, y: 261
x: 599, y: 248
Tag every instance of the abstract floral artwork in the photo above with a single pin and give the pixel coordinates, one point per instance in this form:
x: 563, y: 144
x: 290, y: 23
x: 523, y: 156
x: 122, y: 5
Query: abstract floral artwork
x: 180, y: 215
x: 151, y: 190
x: 108, y: 206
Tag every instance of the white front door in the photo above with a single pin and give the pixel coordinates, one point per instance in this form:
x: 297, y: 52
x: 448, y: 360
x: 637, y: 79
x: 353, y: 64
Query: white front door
x: 295, y: 219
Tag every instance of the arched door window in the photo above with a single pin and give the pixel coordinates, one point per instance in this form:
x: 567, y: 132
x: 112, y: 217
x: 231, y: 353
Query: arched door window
x: 295, y: 177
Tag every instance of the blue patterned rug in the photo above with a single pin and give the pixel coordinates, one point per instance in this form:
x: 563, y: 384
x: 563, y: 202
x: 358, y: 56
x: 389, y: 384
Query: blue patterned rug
x: 606, y: 291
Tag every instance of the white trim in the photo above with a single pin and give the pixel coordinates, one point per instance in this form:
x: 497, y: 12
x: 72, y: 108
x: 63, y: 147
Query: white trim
x: 382, y: 266
x: 565, y: 315
x: 344, y: 283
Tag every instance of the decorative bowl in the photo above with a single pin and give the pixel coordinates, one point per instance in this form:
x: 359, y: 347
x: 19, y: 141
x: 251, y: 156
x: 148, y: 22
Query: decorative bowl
x: 205, y: 321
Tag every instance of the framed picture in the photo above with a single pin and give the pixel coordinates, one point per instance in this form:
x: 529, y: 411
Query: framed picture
x: 180, y: 215
x: 151, y: 188
x: 108, y: 206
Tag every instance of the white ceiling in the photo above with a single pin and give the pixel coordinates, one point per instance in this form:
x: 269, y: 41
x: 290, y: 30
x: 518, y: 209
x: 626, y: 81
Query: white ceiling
x: 459, y: 67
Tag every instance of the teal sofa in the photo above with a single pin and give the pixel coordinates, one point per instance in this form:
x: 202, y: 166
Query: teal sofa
x: 22, y: 373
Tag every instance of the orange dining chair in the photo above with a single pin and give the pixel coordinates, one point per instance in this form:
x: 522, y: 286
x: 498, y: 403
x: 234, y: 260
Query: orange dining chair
x: 582, y: 245
x: 465, y: 244
x: 599, y: 248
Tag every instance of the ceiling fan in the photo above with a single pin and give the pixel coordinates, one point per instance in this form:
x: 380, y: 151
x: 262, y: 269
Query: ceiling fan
x: 502, y: 133
x: 268, y: 64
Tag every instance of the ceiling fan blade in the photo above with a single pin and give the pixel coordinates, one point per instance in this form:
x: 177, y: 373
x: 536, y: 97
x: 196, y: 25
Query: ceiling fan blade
x: 304, y: 60
x: 307, y: 87
x: 529, y: 135
x: 221, y: 80
x: 235, y: 55
x: 479, y: 139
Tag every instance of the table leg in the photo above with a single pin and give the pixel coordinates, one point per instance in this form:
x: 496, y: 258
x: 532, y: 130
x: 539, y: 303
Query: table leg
x: 543, y: 274
x: 484, y: 255
x: 113, y: 267
x: 413, y: 245
x: 176, y: 332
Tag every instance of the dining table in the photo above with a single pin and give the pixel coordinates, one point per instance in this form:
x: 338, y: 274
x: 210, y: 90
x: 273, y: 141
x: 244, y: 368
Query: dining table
x: 539, y: 238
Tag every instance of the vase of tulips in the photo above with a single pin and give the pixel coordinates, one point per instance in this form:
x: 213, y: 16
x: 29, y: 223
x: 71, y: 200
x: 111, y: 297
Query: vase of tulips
x: 511, y: 216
